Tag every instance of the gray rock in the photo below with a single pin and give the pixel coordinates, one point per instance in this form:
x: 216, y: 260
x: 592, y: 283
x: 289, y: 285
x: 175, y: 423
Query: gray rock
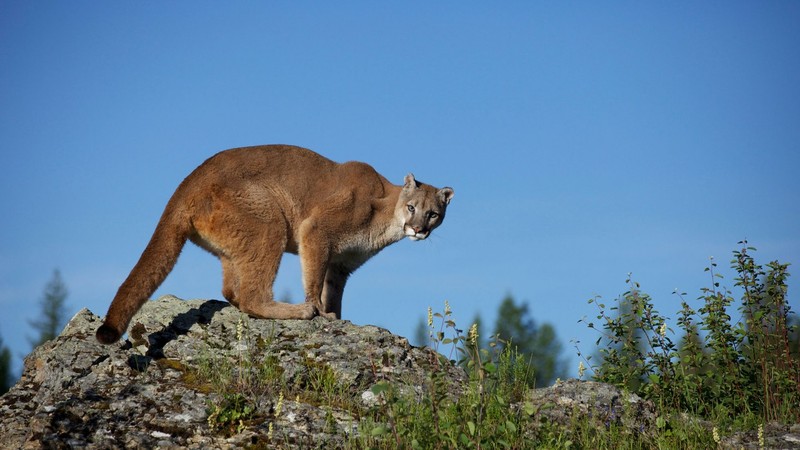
x: 604, y: 404
x: 775, y: 436
x: 145, y: 392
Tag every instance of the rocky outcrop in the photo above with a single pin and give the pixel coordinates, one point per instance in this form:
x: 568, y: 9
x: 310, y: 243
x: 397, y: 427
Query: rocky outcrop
x: 602, y: 403
x: 157, y: 388
x: 199, y: 374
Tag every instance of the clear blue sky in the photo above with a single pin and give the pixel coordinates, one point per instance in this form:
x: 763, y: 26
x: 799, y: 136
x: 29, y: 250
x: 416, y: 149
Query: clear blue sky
x: 583, y: 141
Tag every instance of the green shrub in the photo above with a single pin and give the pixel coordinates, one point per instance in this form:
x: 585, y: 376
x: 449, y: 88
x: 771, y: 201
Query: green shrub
x: 721, y: 368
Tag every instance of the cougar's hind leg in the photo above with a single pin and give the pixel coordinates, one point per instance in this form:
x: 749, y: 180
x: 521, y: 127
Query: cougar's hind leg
x: 254, y: 266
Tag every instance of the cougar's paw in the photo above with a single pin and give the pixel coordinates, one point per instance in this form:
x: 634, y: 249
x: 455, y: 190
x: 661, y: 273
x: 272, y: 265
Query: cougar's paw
x: 328, y: 315
x: 308, y: 310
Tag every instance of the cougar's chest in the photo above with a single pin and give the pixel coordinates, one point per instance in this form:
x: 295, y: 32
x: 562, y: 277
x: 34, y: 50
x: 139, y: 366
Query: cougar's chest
x: 354, y: 247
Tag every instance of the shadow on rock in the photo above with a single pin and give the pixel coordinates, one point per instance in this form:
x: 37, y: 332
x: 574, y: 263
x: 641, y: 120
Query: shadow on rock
x: 179, y: 326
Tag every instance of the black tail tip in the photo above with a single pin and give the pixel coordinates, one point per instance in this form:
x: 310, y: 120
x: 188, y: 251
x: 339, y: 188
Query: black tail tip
x: 107, y: 335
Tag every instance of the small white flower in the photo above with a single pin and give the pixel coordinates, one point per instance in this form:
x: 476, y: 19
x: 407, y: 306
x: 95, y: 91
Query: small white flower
x: 239, y: 329
x: 473, y: 334
x: 279, y: 406
x: 581, y: 369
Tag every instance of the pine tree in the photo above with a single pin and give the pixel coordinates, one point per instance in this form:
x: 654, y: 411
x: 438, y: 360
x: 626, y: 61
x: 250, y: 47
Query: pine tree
x: 538, y: 344
x: 5, y: 368
x: 53, y: 311
x: 421, y: 331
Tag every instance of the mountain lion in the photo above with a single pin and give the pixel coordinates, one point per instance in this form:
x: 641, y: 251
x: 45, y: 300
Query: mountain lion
x: 249, y: 205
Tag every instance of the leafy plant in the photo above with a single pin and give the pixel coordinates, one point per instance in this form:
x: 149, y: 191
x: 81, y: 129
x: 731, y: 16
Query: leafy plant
x: 721, y: 368
x: 229, y: 416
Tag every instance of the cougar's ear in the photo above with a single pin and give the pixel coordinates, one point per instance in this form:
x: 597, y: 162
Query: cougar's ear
x: 410, y: 182
x: 445, y: 194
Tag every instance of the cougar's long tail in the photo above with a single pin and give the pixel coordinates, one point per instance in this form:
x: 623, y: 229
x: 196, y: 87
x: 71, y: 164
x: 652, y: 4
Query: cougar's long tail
x: 156, y: 262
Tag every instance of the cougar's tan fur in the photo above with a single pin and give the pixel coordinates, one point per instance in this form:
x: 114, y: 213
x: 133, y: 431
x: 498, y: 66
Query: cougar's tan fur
x: 249, y: 205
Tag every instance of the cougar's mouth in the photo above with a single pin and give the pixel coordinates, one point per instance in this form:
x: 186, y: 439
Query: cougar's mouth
x: 415, y: 235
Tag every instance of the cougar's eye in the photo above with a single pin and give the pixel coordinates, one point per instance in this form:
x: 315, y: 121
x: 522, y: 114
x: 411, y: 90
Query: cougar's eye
x: 411, y: 209
x: 433, y: 215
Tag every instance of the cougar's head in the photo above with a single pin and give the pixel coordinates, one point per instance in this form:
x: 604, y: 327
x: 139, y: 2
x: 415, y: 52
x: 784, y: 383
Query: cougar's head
x: 422, y: 207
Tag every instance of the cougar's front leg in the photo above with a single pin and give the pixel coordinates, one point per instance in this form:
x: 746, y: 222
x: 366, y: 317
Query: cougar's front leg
x: 335, y: 279
x: 314, y: 252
